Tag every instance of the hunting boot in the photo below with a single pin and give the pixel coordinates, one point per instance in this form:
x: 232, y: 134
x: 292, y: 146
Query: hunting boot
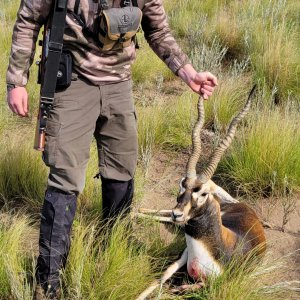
x: 116, y: 197
x: 41, y: 295
x: 57, y: 216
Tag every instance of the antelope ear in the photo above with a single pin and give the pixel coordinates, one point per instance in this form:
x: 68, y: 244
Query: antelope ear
x: 209, y: 186
x: 181, y: 186
x: 223, y: 196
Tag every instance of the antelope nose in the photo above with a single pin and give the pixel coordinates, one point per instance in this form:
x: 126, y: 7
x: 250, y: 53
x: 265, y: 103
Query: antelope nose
x: 176, y: 214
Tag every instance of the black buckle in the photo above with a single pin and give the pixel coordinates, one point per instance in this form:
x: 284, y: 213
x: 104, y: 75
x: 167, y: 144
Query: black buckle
x: 61, y: 4
x: 56, y: 47
x: 47, y: 100
x: 122, y: 38
x: 125, y: 3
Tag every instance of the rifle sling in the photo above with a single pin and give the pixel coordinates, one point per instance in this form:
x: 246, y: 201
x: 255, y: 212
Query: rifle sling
x: 55, y: 50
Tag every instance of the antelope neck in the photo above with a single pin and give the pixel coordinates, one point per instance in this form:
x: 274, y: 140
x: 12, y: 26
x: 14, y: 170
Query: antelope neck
x: 206, y: 226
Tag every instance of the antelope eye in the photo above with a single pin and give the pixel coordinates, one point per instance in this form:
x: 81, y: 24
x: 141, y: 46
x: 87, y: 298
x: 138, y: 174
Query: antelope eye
x: 204, y: 194
x: 196, y: 190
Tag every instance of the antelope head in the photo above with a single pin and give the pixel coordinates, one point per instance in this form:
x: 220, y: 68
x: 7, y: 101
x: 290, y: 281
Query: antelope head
x: 195, y: 189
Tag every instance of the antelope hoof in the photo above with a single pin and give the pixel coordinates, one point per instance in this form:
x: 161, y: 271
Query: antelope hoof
x: 267, y: 225
x: 187, y: 287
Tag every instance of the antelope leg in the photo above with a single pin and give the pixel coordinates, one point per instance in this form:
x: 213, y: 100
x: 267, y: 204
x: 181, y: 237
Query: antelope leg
x: 187, y: 287
x: 167, y: 274
x: 153, y: 217
x: 163, y: 212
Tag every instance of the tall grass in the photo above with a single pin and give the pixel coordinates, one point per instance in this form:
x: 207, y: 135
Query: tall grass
x: 267, y: 153
x: 109, y: 264
x: 117, y: 263
x: 276, y: 60
x: 5, y: 41
x: 267, y: 32
x: 148, y: 67
x: 167, y: 124
x: 15, y: 269
x: 91, y: 197
x: 22, y: 173
x: 7, y: 17
x: 228, y: 99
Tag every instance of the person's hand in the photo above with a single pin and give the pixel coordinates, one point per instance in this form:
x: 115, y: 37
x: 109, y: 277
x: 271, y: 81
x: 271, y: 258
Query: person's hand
x: 17, y: 100
x: 202, y: 83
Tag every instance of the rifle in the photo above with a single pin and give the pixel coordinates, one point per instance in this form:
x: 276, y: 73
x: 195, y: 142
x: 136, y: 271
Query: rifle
x: 48, y: 67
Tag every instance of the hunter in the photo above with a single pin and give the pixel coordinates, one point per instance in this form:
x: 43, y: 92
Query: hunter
x: 98, y: 103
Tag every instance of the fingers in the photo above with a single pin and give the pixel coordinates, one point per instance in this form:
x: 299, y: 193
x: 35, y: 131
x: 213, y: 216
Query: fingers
x: 206, y: 91
x: 207, y: 87
x: 211, y: 78
x: 207, y: 82
x: 25, y: 105
x: 206, y: 78
x: 17, y: 100
x: 18, y: 108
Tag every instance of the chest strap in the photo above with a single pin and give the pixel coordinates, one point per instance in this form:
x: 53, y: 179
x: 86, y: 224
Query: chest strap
x: 104, y: 4
x: 76, y: 7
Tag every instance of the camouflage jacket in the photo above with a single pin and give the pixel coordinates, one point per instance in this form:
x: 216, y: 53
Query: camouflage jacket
x: 89, y: 60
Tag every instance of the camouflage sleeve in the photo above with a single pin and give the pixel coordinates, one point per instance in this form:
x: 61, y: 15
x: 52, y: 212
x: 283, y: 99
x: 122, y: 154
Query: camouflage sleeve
x: 158, y: 34
x: 31, y: 16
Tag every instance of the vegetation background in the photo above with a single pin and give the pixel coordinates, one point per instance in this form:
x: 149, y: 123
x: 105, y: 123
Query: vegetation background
x: 241, y: 41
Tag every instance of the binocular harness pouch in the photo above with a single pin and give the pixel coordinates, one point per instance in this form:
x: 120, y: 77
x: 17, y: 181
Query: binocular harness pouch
x: 118, y: 27
x: 64, y: 74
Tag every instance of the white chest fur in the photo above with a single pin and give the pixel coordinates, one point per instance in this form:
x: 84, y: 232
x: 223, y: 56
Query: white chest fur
x: 200, y: 261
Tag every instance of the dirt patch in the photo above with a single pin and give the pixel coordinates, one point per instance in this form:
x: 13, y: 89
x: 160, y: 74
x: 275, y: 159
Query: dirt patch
x: 283, y: 243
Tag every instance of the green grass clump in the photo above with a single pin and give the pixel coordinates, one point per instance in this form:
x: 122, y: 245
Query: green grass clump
x: 228, y: 99
x: 168, y: 124
x: 14, y: 259
x: 91, y: 196
x: 106, y: 264
x: 22, y: 173
x: 266, y: 155
x: 275, y: 58
x: 184, y: 14
x: 178, y: 122
x: 148, y: 68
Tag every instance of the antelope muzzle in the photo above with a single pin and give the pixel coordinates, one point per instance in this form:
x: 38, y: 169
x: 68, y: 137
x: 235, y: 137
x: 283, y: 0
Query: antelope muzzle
x: 180, y: 212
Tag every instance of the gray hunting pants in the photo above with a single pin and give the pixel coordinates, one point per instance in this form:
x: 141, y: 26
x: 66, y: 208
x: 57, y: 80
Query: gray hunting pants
x: 81, y: 112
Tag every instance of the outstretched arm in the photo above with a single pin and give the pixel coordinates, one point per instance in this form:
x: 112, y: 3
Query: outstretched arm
x: 202, y: 83
x: 158, y: 35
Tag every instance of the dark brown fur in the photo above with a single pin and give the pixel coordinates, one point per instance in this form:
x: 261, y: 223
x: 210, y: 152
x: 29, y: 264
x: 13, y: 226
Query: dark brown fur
x: 238, y: 231
x: 243, y: 221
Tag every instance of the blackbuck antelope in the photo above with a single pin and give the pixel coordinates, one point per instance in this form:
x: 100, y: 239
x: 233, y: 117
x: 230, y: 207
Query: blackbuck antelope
x: 216, y: 225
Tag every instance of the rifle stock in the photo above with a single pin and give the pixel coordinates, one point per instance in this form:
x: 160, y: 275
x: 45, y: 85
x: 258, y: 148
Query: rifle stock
x: 40, y: 131
x: 39, y: 140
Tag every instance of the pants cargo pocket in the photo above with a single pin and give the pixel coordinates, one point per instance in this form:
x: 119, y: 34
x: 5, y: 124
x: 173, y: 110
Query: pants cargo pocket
x: 52, y: 132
